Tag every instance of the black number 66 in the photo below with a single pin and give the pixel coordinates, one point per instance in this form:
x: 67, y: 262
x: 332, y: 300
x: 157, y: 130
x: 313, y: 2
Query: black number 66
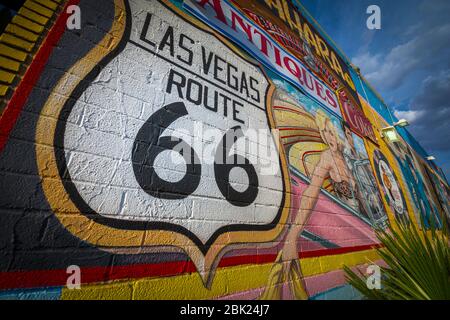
x: 149, y: 144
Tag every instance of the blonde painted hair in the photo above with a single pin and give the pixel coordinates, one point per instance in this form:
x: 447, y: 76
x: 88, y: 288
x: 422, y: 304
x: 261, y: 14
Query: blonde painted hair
x: 321, y: 121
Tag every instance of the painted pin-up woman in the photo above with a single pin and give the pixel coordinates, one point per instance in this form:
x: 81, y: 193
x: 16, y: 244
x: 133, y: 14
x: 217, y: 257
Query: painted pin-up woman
x: 331, y: 165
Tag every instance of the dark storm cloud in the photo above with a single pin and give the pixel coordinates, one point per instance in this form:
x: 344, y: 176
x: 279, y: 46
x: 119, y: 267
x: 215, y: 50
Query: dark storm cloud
x: 424, y: 51
x: 430, y: 112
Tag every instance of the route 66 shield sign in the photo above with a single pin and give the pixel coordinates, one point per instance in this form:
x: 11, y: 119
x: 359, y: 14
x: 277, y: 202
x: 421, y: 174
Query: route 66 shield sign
x: 163, y: 141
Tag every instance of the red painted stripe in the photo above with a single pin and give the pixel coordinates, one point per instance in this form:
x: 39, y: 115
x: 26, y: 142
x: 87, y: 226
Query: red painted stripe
x: 300, y: 140
x: 303, y: 113
x: 12, y: 110
x: 307, y: 153
x: 300, y: 135
x: 297, y: 128
x: 54, y: 278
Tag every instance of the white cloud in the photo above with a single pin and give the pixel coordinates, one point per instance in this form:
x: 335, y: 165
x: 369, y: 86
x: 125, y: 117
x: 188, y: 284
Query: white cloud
x: 409, y: 115
x: 367, y: 62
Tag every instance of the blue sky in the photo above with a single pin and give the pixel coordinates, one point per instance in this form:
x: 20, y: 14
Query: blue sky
x: 407, y: 61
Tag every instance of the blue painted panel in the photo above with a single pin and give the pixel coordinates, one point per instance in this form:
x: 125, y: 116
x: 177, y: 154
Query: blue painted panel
x: 346, y: 292
x: 31, y: 294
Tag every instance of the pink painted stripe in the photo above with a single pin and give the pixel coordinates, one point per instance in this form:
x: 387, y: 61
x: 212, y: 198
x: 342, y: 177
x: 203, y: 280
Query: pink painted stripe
x: 244, y: 295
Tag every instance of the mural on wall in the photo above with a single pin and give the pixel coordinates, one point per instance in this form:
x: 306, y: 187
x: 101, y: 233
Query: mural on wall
x: 333, y: 185
x: 305, y: 150
x: 443, y: 193
x: 223, y: 16
x: 289, y: 28
x: 194, y: 149
x: 441, y: 196
x: 135, y: 186
x: 418, y: 187
x: 390, y: 186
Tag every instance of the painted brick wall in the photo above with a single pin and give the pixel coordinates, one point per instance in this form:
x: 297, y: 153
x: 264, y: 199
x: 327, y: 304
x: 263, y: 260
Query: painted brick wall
x: 175, y: 150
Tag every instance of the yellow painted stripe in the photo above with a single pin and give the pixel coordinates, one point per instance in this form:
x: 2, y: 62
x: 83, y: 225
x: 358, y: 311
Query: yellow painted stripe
x: 21, y: 36
x: 30, y: 25
x: 33, y: 16
x: 6, y: 76
x: 9, y: 64
x: 12, y: 53
x: 21, y: 32
x: 226, y: 280
x: 16, y: 42
x: 49, y: 4
x: 39, y: 9
x: 3, y: 90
